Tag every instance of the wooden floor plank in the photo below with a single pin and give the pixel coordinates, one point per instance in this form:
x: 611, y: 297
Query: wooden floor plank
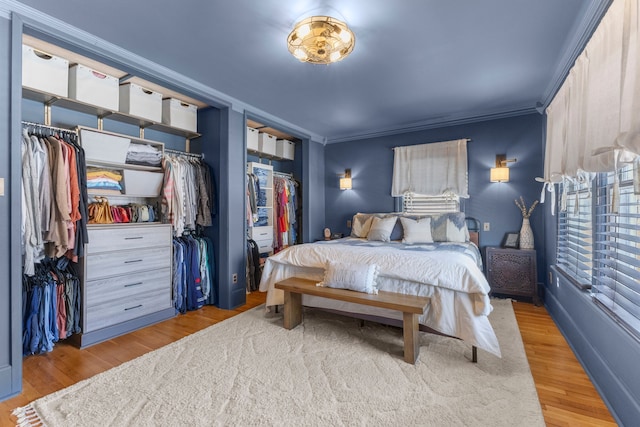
x: 566, y: 394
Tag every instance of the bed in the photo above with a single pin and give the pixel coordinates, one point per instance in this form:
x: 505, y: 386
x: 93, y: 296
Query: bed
x: 447, y: 270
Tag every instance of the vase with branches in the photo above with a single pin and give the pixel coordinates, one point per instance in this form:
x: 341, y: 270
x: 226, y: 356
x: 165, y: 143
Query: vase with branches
x: 526, y: 233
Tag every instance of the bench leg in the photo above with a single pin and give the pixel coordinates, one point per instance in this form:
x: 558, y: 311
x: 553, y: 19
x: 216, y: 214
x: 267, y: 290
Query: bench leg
x: 411, y: 338
x: 292, y: 310
x: 474, y: 354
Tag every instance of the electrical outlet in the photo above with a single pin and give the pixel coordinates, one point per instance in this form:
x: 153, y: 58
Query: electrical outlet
x: 349, y: 223
x: 234, y: 277
x: 486, y: 226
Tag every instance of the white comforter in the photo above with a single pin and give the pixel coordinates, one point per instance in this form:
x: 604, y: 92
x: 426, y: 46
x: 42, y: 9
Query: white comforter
x: 454, y: 282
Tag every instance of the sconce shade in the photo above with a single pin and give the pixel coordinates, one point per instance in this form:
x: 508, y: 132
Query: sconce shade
x: 345, y: 181
x: 499, y: 174
x: 321, y: 40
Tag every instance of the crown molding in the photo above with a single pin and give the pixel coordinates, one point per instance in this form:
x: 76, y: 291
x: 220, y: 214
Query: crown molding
x: 576, y: 43
x: 435, y: 124
x: 55, y: 30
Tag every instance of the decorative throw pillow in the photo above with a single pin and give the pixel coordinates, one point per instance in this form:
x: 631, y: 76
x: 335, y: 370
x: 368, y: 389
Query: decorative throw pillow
x: 416, y: 230
x: 360, y: 225
x: 449, y: 227
x: 356, y: 277
x: 381, y: 228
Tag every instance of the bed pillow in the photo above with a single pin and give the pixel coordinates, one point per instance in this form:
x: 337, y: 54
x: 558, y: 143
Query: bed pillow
x: 449, y: 227
x: 360, y: 225
x: 381, y: 228
x: 416, y: 230
x: 356, y: 277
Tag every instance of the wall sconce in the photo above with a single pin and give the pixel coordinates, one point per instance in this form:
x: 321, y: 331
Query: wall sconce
x: 345, y: 181
x: 501, y: 172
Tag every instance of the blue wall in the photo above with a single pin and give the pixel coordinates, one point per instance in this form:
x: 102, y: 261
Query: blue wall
x: 608, y: 353
x: 371, y: 164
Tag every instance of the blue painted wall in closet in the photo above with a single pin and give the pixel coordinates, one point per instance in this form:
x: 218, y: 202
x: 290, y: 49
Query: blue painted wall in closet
x: 371, y: 164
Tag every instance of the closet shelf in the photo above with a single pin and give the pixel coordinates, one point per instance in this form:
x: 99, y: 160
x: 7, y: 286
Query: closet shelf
x: 82, y: 107
x: 124, y: 166
x: 266, y: 156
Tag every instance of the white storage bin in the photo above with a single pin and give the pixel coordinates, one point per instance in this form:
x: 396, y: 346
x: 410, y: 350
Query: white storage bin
x: 180, y: 114
x: 285, y: 149
x: 140, y: 102
x: 44, y: 72
x: 142, y: 183
x: 104, y: 147
x: 267, y: 143
x: 252, y: 138
x: 93, y: 87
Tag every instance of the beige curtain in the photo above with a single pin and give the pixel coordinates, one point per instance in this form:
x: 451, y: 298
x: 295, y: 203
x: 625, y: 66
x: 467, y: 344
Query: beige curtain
x: 434, y: 169
x: 593, y: 122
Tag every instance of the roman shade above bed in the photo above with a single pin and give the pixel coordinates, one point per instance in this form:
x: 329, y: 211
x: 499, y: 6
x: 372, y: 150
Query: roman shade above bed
x: 434, y: 169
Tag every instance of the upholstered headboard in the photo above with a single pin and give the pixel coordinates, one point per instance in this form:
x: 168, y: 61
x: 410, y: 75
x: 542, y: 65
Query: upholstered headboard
x: 474, y: 230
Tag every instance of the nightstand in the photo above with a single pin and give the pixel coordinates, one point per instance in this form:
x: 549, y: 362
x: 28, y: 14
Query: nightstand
x: 512, y: 272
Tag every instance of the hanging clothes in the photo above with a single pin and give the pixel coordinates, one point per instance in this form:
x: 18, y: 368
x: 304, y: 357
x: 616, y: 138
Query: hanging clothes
x: 54, y: 198
x: 53, y: 230
x: 50, y: 305
x: 187, y: 194
x: 193, y: 272
x: 285, y: 211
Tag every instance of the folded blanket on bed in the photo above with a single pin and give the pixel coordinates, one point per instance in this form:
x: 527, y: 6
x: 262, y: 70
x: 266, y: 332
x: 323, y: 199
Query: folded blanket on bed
x: 356, y: 277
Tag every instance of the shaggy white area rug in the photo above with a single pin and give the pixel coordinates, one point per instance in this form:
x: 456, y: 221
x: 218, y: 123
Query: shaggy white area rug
x: 330, y: 371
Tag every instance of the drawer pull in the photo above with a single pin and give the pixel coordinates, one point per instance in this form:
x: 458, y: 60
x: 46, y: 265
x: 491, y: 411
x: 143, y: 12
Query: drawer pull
x: 134, y: 238
x: 131, y: 308
x: 132, y: 261
x: 133, y: 284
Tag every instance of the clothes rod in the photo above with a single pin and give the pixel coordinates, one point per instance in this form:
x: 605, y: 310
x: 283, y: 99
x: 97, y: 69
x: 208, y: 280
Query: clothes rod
x: 48, y: 127
x: 184, y: 153
x: 283, y: 174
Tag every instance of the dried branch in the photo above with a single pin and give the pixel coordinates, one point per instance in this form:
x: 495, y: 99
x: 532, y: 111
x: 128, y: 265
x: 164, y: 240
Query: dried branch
x: 526, y: 213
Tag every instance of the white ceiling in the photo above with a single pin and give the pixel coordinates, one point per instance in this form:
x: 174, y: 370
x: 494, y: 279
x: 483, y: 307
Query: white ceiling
x: 416, y: 64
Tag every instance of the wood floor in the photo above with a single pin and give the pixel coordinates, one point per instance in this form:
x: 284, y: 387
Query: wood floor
x: 566, y: 395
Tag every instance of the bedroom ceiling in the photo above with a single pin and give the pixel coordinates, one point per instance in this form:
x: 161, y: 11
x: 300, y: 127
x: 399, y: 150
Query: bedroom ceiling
x: 416, y: 63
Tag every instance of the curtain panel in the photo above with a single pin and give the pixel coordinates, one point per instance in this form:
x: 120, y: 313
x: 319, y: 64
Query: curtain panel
x: 593, y: 122
x: 434, y: 169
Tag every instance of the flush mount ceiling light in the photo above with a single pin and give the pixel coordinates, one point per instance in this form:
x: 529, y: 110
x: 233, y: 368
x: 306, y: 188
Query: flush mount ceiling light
x: 321, y: 40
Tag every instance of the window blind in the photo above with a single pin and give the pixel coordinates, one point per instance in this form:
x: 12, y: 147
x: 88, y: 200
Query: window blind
x: 429, y: 205
x: 617, y: 251
x: 575, y: 235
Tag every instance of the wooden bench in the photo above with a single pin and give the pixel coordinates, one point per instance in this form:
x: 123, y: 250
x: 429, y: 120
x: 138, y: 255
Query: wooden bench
x: 411, y: 307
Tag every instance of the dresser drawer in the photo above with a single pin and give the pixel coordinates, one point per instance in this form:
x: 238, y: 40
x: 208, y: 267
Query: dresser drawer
x: 111, y: 264
x: 127, y: 308
x: 116, y: 288
x: 124, y: 237
x: 262, y: 233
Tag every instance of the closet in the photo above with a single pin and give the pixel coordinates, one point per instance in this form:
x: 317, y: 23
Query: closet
x: 273, y: 196
x: 123, y: 264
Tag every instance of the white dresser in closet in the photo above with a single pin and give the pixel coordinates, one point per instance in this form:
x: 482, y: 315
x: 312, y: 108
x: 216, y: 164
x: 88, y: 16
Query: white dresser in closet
x: 127, y: 279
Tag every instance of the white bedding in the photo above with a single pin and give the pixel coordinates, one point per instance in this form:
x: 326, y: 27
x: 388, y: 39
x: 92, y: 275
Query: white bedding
x: 456, y: 285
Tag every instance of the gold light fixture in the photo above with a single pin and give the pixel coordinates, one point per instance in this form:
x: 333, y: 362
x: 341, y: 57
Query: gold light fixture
x: 501, y: 172
x: 345, y: 181
x: 321, y: 40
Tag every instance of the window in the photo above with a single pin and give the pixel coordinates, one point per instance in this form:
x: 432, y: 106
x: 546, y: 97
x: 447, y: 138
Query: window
x: 601, y: 249
x: 428, y: 205
x: 575, y: 234
x: 616, y: 279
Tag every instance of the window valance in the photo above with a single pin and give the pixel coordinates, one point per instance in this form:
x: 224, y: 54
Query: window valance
x: 433, y: 169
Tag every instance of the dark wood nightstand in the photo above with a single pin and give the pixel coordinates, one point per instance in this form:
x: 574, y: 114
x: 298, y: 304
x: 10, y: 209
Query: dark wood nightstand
x: 513, y: 272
